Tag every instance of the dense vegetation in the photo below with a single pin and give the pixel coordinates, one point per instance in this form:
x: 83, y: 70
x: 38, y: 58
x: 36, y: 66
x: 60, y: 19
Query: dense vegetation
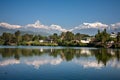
x: 101, y: 39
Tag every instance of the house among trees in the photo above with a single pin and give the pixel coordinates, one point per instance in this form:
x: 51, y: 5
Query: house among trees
x: 113, y: 35
x: 47, y: 41
x: 41, y: 41
x: 86, y: 40
x: 101, y: 39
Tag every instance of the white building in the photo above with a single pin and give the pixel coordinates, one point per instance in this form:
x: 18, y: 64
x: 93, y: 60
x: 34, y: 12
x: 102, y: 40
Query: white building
x: 113, y: 35
x: 41, y: 41
x: 86, y: 40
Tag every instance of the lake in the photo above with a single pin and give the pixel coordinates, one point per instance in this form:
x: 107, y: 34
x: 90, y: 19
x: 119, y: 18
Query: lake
x: 58, y: 63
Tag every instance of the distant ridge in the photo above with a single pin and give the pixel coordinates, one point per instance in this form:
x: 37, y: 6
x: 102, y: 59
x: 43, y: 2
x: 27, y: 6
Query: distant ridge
x: 2, y: 30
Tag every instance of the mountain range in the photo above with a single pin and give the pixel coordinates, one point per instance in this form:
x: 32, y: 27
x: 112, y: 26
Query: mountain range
x: 38, y: 28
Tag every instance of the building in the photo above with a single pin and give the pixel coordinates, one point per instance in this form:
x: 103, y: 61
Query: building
x: 41, y: 41
x: 113, y: 35
x: 86, y: 40
x: 46, y: 41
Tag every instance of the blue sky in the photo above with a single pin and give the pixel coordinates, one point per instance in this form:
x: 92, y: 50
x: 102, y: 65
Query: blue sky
x: 66, y: 13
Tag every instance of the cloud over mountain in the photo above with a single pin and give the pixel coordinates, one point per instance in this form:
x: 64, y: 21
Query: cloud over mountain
x: 115, y: 26
x: 9, y: 26
x: 57, y: 27
x: 87, y: 27
x: 38, y: 25
x: 96, y: 25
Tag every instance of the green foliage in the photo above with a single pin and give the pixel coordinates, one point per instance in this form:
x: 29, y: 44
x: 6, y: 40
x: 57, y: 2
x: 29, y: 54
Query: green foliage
x: 78, y: 36
x: 103, y: 56
x: 18, y: 38
x: 7, y: 37
x: 27, y: 37
x: 69, y: 36
x: 54, y: 37
x: 17, y: 33
x: 118, y: 37
x: 35, y: 38
x: 102, y: 36
x: 64, y: 39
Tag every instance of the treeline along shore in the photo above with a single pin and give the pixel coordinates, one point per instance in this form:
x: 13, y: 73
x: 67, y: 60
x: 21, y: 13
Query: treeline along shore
x: 101, y: 39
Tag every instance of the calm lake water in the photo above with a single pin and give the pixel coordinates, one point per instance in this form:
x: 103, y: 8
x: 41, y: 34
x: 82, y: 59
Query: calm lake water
x: 58, y: 63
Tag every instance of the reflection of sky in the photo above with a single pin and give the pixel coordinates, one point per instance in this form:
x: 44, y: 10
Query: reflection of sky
x: 92, y: 63
x: 36, y: 62
x: 39, y: 62
x: 9, y: 62
x: 114, y: 63
x: 89, y: 63
x: 111, y: 51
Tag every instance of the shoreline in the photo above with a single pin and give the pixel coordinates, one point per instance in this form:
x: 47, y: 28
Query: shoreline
x: 41, y: 46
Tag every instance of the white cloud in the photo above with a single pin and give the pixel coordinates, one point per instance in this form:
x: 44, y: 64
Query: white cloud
x: 9, y: 26
x: 97, y: 25
x: 37, y: 24
x: 57, y: 27
x: 115, y: 26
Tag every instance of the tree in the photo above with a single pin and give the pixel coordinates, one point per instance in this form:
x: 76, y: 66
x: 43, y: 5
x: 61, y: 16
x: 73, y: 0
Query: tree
x: 62, y: 35
x: 98, y: 31
x: 17, y: 36
x: 102, y: 36
x: 78, y: 36
x: 7, y: 37
x: 105, y: 36
x: 54, y: 37
x: 17, y: 33
x: 35, y: 38
x: 69, y: 36
x: 118, y: 37
x: 27, y: 37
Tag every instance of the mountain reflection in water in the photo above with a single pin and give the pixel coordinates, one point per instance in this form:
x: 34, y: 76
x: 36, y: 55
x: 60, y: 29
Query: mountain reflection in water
x: 85, y: 57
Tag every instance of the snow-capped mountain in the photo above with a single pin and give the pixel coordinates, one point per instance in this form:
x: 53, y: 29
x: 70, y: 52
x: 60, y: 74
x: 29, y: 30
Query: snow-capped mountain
x: 39, y: 28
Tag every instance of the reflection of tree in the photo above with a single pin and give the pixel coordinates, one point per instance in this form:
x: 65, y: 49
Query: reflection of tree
x: 118, y: 54
x: 17, y: 57
x: 78, y: 52
x: 102, y: 55
x: 7, y: 52
x: 16, y: 53
x: 54, y: 52
x: 69, y: 54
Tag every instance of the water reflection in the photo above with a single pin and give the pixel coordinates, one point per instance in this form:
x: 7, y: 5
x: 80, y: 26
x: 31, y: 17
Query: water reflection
x: 39, y: 62
x: 9, y: 62
x: 89, y: 64
x: 85, y: 57
x: 85, y: 51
